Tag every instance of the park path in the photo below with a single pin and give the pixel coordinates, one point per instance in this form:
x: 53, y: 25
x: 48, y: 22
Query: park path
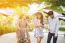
x: 11, y: 38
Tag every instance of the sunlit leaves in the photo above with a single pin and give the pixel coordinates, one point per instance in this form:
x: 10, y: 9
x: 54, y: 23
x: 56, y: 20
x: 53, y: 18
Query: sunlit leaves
x: 56, y: 2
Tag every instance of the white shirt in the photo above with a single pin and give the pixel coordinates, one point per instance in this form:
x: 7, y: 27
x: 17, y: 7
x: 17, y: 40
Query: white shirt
x: 53, y: 25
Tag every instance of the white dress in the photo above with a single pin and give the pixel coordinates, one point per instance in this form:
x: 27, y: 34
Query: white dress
x: 38, y: 30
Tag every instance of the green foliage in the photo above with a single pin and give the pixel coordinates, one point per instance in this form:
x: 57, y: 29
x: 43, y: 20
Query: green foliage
x: 5, y: 25
x: 7, y: 29
x: 56, y: 8
x: 62, y: 28
x: 56, y: 2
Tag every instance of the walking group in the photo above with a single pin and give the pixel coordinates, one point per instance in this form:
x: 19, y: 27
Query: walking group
x: 23, y: 24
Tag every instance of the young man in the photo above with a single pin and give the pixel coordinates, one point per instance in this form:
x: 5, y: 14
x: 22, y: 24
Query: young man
x: 53, y: 27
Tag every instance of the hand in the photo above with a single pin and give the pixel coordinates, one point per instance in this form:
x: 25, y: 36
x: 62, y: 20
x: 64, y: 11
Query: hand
x: 40, y: 25
x: 56, y: 35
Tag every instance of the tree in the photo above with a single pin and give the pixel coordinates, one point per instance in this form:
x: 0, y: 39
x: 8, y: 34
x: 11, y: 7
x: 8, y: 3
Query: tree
x: 56, y: 2
x: 55, y: 5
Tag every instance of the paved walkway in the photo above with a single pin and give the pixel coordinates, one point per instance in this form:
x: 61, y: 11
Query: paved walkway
x: 11, y: 38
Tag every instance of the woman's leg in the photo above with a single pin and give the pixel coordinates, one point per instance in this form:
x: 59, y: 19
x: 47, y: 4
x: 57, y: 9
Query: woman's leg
x: 28, y: 38
x: 18, y: 36
x: 39, y: 39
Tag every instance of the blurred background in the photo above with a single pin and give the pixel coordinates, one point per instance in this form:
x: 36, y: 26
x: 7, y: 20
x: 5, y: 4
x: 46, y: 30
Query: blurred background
x: 10, y: 10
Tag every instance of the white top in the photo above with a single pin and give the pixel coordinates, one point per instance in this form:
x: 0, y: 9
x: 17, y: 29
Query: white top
x: 36, y: 22
x: 53, y: 25
x: 38, y: 30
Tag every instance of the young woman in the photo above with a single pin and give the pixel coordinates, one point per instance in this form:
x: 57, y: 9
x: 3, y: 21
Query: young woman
x: 22, y: 32
x: 38, y: 22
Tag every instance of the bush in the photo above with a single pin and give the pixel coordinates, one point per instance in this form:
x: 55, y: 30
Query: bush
x: 7, y: 29
x: 62, y: 28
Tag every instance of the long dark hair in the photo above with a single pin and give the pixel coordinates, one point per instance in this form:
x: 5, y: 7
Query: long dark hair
x: 41, y: 18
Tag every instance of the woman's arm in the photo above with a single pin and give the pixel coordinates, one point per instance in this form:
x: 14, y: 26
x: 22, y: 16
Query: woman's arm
x: 18, y: 31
